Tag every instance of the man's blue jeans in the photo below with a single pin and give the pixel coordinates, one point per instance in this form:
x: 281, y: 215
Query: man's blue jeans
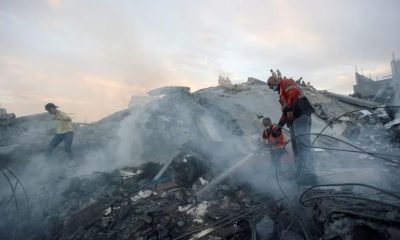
x: 300, y: 131
x: 58, y: 138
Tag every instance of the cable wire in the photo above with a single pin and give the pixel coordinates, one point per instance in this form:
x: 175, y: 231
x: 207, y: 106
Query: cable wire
x: 376, y: 155
x: 332, y: 121
x: 351, y: 184
x: 297, y: 219
x: 287, y: 230
x: 361, y: 215
x: 13, y: 195
x: 311, y: 199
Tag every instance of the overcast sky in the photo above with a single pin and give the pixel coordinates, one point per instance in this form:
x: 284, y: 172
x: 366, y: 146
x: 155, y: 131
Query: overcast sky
x: 91, y: 56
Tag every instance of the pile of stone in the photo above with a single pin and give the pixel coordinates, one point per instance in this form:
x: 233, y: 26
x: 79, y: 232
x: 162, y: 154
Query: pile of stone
x: 129, y: 204
x: 6, y: 118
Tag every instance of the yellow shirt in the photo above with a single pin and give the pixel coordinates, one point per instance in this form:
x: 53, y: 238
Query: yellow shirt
x: 63, y: 122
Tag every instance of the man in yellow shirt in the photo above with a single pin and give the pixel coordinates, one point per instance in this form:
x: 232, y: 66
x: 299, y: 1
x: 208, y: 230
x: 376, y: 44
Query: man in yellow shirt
x: 64, y: 131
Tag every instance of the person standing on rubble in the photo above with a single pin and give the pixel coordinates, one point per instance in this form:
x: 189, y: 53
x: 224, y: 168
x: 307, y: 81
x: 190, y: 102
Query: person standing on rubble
x: 64, y: 130
x: 279, y: 74
x: 273, y: 74
x: 274, y: 140
x: 296, y: 114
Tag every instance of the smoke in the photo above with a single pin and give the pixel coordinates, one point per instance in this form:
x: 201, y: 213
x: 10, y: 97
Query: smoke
x: 223, y: 128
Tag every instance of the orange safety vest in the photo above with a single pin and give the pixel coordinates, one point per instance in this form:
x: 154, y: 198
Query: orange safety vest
x: 276, y: 142
x: 289, y: 93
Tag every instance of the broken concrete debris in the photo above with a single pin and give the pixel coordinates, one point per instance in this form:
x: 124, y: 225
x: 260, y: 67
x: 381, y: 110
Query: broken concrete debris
x: 187, y: 169
x: 369, y: 126
x: 127, y: 204
x: 6, y: 118
x: 158, y: 197
x: 152, y: 214
x: 354, y: 211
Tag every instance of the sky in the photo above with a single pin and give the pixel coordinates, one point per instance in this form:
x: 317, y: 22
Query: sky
x: 90, y: 56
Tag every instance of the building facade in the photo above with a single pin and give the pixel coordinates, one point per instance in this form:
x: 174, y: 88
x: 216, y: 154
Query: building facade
x: 382, y: 91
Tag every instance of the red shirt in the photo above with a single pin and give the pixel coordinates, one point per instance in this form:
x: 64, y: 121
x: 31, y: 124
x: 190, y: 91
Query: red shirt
x: 275, y: 142
x: 289, y: 93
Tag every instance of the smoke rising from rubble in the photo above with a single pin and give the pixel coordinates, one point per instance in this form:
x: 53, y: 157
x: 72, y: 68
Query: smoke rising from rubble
x: 216, y: 124
x: 148, y: 134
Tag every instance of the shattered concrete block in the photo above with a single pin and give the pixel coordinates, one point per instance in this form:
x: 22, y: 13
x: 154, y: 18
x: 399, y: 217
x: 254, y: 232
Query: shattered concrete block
x: 107, y: 211
x: 143, y: 195
x: 184, y: 209
x: 198, y: 220
x: 199, y: 210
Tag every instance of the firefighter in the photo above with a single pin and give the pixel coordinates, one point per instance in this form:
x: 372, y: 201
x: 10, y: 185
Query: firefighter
x: 274, y: 139
x: 296, y: 114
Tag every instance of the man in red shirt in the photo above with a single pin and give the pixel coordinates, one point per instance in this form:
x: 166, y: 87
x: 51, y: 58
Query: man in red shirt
x: 296, y: 114
x: 274, y: 139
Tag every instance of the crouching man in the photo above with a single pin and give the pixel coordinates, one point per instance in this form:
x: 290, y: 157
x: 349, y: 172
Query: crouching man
x: 274, y: 139
x: 64, y: 131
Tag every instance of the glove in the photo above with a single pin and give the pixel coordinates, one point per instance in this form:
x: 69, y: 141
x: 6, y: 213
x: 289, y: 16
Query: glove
x: 281, y: 123
x: 276, y: 132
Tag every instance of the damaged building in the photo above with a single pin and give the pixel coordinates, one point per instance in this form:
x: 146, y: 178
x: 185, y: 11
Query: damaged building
x: 383, y: 90
x: 179, y: 164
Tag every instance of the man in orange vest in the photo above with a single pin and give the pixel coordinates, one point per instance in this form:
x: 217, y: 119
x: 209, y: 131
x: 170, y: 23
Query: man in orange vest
x: 274, y: 139
x: 296, y: 114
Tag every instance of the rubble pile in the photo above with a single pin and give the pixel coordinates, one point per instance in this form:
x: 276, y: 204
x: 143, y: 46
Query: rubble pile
x: 326, y: 107
x: 6, y: 118
x: 171, y: 214
x: 24, y: 135
x: 154, y: 171
x: 29, y: 136
x: 370, y: 123
x: 236, y: 88
x: 353, y: 211
x: 130, y: 204
x: 230, y: 88
x: 368, y: 127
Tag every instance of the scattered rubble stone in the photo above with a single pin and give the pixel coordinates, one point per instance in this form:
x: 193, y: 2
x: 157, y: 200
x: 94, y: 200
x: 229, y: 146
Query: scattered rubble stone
x: 127, y: 203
